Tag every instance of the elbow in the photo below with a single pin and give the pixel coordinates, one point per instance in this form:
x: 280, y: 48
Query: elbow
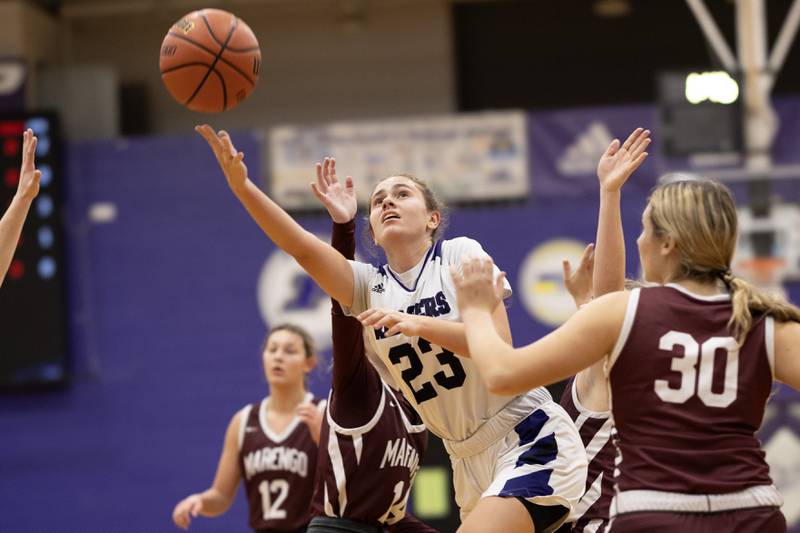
x: 503, y: 389
x: 499, y: 382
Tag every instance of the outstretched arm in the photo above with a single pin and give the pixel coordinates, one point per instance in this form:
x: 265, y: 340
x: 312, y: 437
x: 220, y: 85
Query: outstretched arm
x: 14, y: 217
x: 328, y: 267
x: 218, y: 498
x: 615, y: 167
x: 356, y: 385
x: 583, y: 340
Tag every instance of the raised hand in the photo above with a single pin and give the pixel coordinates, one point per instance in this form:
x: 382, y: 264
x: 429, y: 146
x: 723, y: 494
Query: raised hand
x: 188, y: 508
x: 579, y: 283
x: 311, y: 415
x: 397, y: 322
x: 476, y: 287
x: 28, y: 186
x: 230, y: 160
x: 619, y: 162
x: 339, y: 199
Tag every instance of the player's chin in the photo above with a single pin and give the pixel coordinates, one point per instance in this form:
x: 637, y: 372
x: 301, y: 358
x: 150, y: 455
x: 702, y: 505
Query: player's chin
x: 283, y: 379
x: 394, y: 231
x: 276, y: 378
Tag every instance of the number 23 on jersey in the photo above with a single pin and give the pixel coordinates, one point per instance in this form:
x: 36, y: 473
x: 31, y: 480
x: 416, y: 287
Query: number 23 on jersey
x: 451, y: 375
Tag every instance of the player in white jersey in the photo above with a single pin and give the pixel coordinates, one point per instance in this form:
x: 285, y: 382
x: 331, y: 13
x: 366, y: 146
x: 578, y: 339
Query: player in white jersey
x: 523, y: 446
x: 518, y: 462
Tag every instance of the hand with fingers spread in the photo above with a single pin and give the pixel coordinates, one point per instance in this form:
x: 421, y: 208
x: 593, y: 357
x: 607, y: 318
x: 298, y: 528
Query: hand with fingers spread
x: 579, y: 282
x: 476, y: 286
x: 619, y: 162
x: 311, y: 415
x: 14, y: 217
x: 338, y: 198
x: 230, y: 160
x: 397, y: 322
x: 28, y: 186
x: 188, y: 508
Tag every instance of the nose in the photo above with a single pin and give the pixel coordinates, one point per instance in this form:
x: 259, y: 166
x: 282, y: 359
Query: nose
x: 387, y: 202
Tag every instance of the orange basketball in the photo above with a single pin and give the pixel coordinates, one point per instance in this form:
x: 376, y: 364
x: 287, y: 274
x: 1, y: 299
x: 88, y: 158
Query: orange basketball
x: 210, y: 60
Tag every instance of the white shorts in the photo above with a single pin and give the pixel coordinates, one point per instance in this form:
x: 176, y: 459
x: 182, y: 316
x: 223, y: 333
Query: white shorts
x: 530, y: 450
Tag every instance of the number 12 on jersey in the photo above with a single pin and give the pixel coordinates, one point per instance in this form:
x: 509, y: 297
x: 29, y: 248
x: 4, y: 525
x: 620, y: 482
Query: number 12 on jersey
x: 451, y: 376
x: 272, y: 509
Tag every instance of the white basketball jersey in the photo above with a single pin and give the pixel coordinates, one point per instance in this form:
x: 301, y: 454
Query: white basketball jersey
x: 445, y: 389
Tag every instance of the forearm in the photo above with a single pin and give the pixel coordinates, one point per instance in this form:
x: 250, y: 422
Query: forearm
x: 325, y: 265
x: 215, y: 502
x: 508, y: 371
x: 10, y: 230
x: 609, y: 255
x: 348, y: 341
x: 488, y: 350
x: 282, y: 229
x: 449, y: 335
x: 452, y: 335
x: 343, y: 239
x: 583, y: 340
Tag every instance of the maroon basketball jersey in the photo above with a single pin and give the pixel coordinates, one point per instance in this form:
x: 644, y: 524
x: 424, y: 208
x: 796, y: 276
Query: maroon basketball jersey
x: 278, y: 470
x: 595, y: 430
x: 367, y: 472
x: 687, y: 400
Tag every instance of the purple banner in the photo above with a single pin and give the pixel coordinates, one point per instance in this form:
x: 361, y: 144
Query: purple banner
x: 566, y: 145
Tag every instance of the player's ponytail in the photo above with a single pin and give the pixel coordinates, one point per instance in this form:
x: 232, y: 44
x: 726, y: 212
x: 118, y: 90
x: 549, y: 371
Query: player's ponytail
x: 748, y: 300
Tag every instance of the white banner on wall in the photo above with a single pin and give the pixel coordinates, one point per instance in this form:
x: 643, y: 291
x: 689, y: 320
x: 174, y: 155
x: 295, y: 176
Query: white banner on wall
x: 469, y: 157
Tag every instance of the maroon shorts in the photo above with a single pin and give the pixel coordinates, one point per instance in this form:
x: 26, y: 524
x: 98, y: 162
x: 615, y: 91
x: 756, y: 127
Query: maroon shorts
x: 754, y: 520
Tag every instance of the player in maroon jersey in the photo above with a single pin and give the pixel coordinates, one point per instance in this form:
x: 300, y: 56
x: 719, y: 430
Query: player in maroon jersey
x: 691, y: 365
x: 270, y: 445
x: 586, y: 402
x: 585, y: 397
x: 14, y: 217
x: 372, y: 440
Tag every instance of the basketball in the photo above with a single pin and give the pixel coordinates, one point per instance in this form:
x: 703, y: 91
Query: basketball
x: 210, y: 61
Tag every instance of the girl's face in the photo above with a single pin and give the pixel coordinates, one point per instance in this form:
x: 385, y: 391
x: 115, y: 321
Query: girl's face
x: 284, y: 358
x: 652, y: 251
x: 398, y: 210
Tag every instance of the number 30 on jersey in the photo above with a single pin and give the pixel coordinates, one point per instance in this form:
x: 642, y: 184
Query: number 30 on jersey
x: 689, y: 368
